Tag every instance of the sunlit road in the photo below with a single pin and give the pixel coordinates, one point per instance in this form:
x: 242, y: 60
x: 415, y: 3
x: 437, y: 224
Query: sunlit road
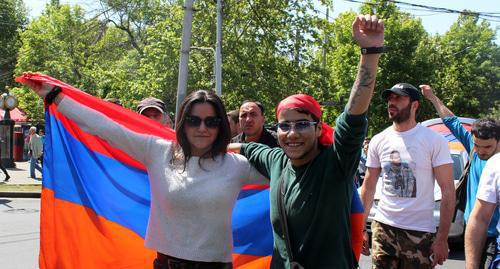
x: 19, y: 233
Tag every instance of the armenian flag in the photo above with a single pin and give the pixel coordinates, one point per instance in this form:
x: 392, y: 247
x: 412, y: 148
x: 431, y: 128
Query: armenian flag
x: 95, y: 198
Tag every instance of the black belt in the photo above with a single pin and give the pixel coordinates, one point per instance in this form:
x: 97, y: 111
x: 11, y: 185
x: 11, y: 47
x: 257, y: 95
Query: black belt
x: 163, y: 261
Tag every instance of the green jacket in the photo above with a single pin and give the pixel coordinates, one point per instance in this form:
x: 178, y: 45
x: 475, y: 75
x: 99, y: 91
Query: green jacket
x: 317, y: 205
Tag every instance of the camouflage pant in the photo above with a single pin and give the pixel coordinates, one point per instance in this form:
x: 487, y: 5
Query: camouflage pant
x: 399, y: 248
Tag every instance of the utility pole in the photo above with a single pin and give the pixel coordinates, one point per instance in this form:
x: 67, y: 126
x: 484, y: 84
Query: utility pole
x: 183, y: 64
x: 218, y: 51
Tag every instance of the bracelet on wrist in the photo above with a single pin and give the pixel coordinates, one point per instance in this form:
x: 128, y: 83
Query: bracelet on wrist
x: 372, y: 50
x: 51, y: 96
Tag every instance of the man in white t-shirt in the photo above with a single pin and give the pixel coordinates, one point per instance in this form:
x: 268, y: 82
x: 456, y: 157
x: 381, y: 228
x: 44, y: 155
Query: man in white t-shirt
x: 410, y: 158
x: 487, y: 201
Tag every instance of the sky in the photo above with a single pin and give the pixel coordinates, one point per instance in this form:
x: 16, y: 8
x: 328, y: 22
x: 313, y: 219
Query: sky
x: 434, y: 23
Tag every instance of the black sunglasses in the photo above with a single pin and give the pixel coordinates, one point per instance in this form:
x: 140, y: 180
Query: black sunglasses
x: 210, y: 122
x: 299, y: 126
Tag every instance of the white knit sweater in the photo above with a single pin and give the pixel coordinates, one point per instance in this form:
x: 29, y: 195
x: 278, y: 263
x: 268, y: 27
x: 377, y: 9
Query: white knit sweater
x: 190, y: 216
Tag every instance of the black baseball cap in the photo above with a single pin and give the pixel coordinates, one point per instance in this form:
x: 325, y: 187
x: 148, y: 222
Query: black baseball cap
x: 403, y: 89
x: 151, y: 102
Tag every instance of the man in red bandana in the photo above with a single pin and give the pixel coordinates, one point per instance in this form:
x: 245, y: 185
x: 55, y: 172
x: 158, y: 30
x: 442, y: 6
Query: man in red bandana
x: 314, y: 171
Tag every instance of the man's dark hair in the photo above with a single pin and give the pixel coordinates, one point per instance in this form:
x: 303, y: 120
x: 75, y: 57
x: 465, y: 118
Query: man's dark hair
x: 259, y: 104
x: 234, y: 115
x: 486, y: 128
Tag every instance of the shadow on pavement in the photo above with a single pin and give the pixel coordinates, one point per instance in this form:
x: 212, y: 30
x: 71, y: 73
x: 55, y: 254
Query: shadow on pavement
x: 5, y: 202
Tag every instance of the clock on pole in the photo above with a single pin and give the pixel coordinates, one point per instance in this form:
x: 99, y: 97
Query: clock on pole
x: 7, y: 103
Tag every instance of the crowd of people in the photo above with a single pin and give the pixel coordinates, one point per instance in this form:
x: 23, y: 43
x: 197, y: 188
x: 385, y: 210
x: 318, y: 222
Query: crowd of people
x: 310, y: 169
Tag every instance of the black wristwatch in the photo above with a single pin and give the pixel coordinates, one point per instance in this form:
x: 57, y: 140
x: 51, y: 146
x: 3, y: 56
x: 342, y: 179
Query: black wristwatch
x: 51, y: 96
x: 372, y: 50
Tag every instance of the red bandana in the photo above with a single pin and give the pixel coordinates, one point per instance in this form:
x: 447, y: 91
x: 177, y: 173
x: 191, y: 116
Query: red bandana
x: 308, y: 103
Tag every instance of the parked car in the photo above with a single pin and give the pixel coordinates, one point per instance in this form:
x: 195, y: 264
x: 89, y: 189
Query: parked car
x: 459, y: 156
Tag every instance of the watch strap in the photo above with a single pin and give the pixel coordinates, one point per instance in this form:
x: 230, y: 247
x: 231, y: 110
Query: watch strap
x: 51, y: 96
x: 372, y: 50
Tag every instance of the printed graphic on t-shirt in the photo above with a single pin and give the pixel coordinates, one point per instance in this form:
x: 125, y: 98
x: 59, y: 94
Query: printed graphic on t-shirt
x: 398, y: 178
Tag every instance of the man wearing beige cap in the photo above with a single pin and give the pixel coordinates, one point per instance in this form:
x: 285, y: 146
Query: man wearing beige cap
x: 156, y: 110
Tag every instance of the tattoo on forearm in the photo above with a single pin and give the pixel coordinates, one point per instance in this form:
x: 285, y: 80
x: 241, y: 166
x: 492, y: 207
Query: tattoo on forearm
x: 364, y: 82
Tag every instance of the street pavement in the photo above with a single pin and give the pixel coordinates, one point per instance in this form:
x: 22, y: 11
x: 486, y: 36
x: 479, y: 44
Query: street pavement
x: 19, y: 233
x: 19, y: 176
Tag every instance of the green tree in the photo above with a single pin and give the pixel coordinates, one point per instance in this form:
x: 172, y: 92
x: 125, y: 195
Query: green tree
x: 130, y: 50
x: 133, y: 17
x: 58, y: 43
x: 402, y: 62
x: 268, y: 50
x: 467, y: 73
x: 157, y: 71
x: 13, y: 19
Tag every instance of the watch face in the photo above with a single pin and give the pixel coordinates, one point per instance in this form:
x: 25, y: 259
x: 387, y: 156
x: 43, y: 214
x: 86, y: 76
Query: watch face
x: 10, y: 102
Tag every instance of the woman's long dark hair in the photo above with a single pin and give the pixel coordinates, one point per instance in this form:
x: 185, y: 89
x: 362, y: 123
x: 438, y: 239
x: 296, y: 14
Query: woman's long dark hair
x: 223, y: 137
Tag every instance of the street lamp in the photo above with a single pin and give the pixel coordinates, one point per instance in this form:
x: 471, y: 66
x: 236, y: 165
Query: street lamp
x: 7, y: 103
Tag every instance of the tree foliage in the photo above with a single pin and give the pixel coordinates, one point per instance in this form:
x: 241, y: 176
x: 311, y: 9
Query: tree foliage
x: 402, y: 61
x: 467, y: 68
x: 130, y: 50
x: 13, y: 19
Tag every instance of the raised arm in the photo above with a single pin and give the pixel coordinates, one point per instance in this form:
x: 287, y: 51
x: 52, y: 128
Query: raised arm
x: 368, y: 32
x: 441, y: 109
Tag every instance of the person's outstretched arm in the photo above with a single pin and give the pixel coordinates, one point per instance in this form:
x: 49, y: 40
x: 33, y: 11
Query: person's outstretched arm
x: 96, y: 123
x: 441, y: 109
x: 368, y: 32
x: 234, y: 147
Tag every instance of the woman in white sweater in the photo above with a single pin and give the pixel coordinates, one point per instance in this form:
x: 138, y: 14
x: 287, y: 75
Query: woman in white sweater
x: 194, y: 182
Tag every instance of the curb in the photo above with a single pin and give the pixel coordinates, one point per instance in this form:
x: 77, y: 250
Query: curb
x: 20, y: 194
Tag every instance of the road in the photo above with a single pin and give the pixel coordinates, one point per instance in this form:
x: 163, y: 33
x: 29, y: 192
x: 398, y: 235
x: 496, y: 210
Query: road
x: 19, y: 233
x: 20, y: 236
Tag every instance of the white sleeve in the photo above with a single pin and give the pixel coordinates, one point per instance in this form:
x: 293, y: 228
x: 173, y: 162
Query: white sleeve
x: 255, y: 177
x: 252, y: 176
x: 441, y: 153
x: 96, y: 123
x: 490, y: 179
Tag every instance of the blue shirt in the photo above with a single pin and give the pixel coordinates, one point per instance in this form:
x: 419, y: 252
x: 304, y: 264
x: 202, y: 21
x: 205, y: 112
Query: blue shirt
x: 476, y: 168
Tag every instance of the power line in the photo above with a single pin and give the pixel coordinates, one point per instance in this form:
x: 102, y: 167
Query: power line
x: 484, y: 15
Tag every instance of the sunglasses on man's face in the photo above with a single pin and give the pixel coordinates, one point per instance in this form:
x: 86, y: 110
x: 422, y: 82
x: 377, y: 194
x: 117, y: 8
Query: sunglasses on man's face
x: 299, y: 126
x: 210, y: 122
